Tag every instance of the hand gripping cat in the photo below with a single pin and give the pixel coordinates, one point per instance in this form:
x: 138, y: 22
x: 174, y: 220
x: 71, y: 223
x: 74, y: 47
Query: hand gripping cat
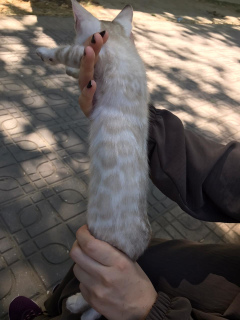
x: 117, y: 206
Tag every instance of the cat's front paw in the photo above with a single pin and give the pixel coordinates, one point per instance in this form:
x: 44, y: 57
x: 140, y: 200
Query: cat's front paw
x: 47, y: 55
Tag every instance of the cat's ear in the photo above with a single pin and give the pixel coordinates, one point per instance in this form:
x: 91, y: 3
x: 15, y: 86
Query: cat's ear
x: 125, y: 19
x: 84, y: 20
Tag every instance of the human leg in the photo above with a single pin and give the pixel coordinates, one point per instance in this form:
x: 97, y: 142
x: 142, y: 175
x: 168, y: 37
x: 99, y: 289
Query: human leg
x: 208, y: 275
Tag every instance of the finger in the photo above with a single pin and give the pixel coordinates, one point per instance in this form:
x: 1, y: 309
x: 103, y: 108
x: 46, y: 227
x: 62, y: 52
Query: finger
x: 86, y: 98
x: 92, y: 49
x: 96, y: 41
x: 85, y: 262
x: 105, y: 36
x: 86, y: 71
x: 86, y: 67
x: 83, y: 277
x: 98, y: 250
x: 85, y: 292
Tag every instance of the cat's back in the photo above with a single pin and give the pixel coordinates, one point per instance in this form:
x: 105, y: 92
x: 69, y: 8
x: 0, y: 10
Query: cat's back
x: 122, y: 83
x: 120, y: 60
x: 119, y: 170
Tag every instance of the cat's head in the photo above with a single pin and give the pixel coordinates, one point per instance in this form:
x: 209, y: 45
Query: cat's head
x: 86, y: 24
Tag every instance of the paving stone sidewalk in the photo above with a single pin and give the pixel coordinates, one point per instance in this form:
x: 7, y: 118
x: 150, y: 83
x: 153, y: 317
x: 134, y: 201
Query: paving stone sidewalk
x: 193, y: 71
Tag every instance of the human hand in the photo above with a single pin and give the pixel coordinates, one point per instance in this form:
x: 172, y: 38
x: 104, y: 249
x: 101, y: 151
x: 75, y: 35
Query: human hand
x: 110, y: 282
x: 88, y: 61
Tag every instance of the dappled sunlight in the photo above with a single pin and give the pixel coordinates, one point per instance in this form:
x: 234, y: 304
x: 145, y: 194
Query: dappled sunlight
x: 194, y: 72
x: 184, y: 11
x: 230, y: 232
x: 12, y: 24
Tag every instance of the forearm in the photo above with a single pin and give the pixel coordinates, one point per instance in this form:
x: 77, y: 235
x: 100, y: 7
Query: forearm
x: 202, y: 176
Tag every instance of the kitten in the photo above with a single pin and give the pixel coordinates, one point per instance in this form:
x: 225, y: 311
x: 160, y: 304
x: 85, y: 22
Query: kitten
x: 117, y: 206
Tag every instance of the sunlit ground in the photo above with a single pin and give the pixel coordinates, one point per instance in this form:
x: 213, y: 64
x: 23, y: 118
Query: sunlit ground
x: 193, y: 71
x: 184, y: 11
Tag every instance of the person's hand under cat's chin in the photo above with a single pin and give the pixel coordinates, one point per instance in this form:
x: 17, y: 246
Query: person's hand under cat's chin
x: 87, y: 85
x: 110, y: 282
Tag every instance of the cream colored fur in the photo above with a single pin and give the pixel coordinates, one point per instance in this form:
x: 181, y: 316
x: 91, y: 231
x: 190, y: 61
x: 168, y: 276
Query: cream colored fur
x: 117, y: 207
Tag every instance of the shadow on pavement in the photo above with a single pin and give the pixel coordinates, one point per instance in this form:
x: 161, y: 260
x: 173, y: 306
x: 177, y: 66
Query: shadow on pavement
x: 193, y: 71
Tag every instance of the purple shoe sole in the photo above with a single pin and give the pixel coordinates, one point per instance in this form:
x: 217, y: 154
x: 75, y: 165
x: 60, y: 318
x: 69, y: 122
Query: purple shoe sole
x: 22, y: 308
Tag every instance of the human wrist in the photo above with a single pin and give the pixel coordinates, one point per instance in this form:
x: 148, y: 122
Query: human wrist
x: 141, y: 309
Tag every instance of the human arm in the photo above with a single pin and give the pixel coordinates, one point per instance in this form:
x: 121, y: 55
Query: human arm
x: 117, y: 287
x: 202, y: 176
x: 114, y: 285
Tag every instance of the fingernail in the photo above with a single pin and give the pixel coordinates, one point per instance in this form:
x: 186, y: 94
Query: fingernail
x: 89, y: 84
x: 102, y: 33
x: 84, y: 52
x: 93, y: 39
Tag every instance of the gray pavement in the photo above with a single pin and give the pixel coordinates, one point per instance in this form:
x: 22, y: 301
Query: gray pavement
x: 193, y: 71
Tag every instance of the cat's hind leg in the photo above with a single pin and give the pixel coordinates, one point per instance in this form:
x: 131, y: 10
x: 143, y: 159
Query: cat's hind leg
x: 91, y: 314
x: 77, y: 304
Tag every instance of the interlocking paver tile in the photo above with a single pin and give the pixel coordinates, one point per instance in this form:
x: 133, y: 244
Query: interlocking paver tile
x: 77, y: 221
x: 59, y: 137
x: 6, y: 157
x: 68, y: 203
x: 191, y: 228
x: 34, y: 218
x: 42, y: 117
x: 26, y: 146
x: 13, y: 126
x: 50, y: 171
x: 77, y: 185
x: 12, y: 180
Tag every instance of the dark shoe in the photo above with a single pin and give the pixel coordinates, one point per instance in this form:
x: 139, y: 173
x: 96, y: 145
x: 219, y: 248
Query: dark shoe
x: 22, y: 308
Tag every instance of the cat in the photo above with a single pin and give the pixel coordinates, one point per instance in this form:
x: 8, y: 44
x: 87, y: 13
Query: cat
x: 117, y: 204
